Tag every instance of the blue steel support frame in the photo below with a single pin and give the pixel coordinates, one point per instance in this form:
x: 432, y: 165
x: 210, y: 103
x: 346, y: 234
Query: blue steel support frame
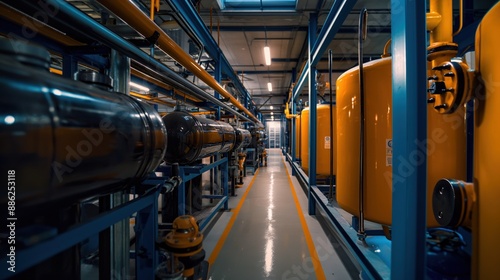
x: 146, y: 257
x: 188, y: 173
x: 46, y: 249
x: 218, y: 78
x: 197, y: 26
x: 313, y: 26
x: 70, y: 66
x: 293, y: 140
x: 410, y: 127
x: 338, y: 13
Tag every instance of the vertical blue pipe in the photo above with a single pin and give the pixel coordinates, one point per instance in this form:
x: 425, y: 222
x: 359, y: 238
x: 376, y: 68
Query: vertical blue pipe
x: 217, y: 170
x: 313, y: 27
x: 181, y: 194
x: 293, y: 140
x: 69, y: 66
x: 225, y: 183
x: 469, y: 108
x: 409, y: 127
x: 218, y: 78
x: 147, y: 233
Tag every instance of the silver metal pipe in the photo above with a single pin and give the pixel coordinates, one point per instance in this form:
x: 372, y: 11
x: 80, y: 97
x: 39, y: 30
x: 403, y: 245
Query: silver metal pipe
x: 73, y: 140
x: 120, y: 72
x: 120, y: 232
x: 330, y: 60
x: 79, y: 22
x: 361, y: 36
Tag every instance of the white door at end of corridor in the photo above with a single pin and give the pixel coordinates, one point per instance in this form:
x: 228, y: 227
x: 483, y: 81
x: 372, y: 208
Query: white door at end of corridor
x: 274, y: 134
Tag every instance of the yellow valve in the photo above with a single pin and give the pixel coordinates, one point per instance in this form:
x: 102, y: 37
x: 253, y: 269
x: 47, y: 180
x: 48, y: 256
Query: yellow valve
x: 450, y: 85
x: 185, y: 243
x: 287, y: 112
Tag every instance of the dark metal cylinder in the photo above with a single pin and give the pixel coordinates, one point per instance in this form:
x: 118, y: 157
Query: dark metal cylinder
x: 243, y: 138
x: 67, y: 140
x: 194, y: 137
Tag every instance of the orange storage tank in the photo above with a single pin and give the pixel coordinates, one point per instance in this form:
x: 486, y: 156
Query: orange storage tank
x: 323, y: 139
x: 446, y: 136
x: 297, y: 136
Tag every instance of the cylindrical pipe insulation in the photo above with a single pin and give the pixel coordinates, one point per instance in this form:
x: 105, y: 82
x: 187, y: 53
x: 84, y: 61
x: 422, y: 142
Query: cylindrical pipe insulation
x: 243, y: 138
x: 66, y: 140
x: 194, y: 137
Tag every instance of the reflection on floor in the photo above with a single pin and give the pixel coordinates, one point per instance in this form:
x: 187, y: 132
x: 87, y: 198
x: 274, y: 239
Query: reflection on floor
x: 269, y: 235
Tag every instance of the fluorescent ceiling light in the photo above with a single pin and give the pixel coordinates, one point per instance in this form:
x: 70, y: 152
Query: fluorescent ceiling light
x: 137, y: 86
x: 270, y: 86
x: 267, y: 55
x: 272, y: 112
x: 271, y: 107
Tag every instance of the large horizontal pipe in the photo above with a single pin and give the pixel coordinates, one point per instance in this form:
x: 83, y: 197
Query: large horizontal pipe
x: 193, y: 89
x: 66, y: 140
x: 132, y: 15
x: 75, y: 20
x: 193, y: 137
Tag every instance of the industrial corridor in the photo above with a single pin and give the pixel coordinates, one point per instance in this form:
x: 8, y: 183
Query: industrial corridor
x: 268, y: 234
x: 262, y: 139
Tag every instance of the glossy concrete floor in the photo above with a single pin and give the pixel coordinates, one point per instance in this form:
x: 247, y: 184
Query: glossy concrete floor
x: 268, y: 234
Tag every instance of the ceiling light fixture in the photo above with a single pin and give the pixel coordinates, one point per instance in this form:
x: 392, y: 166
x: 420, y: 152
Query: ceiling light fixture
x: 137, y: 86
x: 267, y: 54
x: 270, y: 86
x: 271, y: 107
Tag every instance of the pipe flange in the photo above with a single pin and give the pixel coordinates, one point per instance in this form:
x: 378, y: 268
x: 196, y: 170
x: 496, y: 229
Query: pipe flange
x: 441, y: 49
x: 449, y: 86
x: 94, y: 78
x: 452, y: 202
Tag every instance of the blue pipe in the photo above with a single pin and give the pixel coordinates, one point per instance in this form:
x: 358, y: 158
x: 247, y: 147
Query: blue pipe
x: 313, y: 126
x: 338, y: 13
x: 409, y: 127
x: 80, y: 21
x: 194, y: 22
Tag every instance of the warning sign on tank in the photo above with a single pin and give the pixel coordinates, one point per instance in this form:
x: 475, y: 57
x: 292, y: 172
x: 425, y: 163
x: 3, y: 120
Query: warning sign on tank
x: 327, y: 142
x: 388, y: 152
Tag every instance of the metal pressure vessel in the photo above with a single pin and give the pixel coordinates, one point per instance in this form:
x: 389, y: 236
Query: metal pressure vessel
x: 486, y: 150
x: 243, y: 138
x: 297, y: 137
x: 63, y: 140
x: 323, y: 139
x: 194, y: 137
x: 475, y: 204
x: 446, y: 138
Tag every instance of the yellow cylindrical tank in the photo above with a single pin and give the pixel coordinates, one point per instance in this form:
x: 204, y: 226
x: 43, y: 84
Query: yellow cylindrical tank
x: 323, y: 139
x: 297, y: 136
x: 445, y: 137
x: 485, y: 227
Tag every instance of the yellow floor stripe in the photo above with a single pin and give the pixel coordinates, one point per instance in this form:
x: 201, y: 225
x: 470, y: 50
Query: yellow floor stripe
x: 318, y: 268
x: 235, y: 213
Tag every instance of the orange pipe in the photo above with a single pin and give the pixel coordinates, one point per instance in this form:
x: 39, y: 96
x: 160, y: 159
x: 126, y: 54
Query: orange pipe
x: 152, y: 99
x: 444, y: 30
x: 55, y: 71
x: 130, y: 14
x: 160, y: 83
x: 39, y: 27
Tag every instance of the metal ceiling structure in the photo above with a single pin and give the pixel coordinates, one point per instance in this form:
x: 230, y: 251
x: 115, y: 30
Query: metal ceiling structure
x: 227, y: 39
x: 207, y: 29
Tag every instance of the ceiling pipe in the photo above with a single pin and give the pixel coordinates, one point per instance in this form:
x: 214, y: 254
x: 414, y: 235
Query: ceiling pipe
x: 76, y: 21
x: 133, y: 16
